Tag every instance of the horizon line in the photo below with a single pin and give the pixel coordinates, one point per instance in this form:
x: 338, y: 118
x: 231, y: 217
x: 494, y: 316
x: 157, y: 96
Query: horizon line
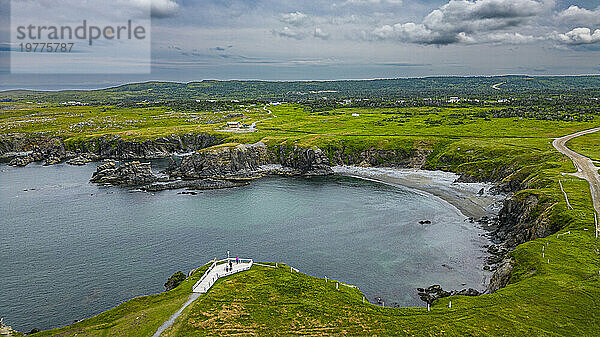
x: 289, y: 81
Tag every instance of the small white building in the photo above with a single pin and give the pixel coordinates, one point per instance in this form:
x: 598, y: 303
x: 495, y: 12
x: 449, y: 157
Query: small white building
x: 355, y: 115
x: 233, y: 124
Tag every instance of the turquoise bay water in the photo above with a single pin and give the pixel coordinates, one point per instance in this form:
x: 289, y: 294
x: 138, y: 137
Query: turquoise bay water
x: 70, y: 249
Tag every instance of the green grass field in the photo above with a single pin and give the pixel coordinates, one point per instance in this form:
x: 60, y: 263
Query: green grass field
x: 588, y: 145
x: 559, y: 298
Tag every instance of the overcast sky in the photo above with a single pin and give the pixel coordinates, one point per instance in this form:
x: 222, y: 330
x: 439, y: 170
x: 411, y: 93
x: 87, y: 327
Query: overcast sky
x: 355, y: 39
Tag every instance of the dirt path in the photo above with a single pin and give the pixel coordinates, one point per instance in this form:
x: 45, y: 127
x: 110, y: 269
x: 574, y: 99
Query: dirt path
x: 585, y: 167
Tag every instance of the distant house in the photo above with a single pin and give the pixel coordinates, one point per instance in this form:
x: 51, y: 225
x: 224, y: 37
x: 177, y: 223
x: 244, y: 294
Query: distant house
x: 233, y: 124
x: 355, y: 115
x: 454, y: 100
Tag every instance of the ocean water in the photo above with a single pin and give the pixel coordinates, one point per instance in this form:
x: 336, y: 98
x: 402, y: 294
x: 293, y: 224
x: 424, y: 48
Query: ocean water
x: 70, y: 249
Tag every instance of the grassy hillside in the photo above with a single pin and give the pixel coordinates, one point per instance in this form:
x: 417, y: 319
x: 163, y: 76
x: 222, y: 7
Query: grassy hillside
x: 588, y: 145
x: 385, y: 88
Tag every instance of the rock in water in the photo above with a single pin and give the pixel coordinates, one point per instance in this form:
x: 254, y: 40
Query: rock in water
x: 51, y: 160
x: 127, y: 174
x: 197, y: 184
x: 21, y: 161
x: 83, y: 159
x: 435, y: 292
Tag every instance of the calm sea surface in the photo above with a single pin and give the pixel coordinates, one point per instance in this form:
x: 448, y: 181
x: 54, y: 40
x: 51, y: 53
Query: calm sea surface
x: 70, y: 249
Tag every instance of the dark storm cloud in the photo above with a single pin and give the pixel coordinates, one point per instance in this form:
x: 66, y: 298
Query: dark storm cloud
x: 467, y: 22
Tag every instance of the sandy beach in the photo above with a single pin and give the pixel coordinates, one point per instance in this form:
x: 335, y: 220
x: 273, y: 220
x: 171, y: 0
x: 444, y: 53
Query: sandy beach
x: 464, y: 196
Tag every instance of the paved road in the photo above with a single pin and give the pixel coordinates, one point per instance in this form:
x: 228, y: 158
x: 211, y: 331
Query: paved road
x: 585, y: 167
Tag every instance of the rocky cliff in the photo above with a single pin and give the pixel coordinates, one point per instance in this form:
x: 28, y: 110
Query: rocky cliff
x: 241, y: 160
x: 127, y: 174
x: 301, y: 161
x: 21, y: 150
x: 249, y: 160
x: 523, y: 218
x: 116, y: 148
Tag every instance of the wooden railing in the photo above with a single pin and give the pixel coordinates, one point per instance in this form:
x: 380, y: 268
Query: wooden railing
x: 213, y: 278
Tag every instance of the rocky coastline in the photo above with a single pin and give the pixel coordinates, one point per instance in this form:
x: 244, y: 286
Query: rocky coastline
x: 208, y: 166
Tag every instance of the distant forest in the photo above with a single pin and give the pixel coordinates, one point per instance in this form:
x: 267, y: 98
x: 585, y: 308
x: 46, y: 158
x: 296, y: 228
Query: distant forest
x: 496, y: 87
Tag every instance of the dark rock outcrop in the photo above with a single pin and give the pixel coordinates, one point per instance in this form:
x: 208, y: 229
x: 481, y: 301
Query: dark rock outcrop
x: 501, y: 277
x: 432, y: 293
x: 113, y: 147
x: 83, y: 159
x: 175, y: 280
x: 302, y: 161
x: 243, y: 160
x: 21, y: 161
x: 198, y: 184
x: 126, y: 174
x: 521, y: 219
x: 414, y: 158
x: 435, y: 292
x: 247, y: 161
x: 23, y: 149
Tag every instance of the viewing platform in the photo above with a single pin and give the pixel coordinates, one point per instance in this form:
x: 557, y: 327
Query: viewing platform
x: 218, y: 269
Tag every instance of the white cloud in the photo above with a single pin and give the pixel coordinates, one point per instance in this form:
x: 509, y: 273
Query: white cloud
x: 372, y: 2
x: 464, y: 21
x: 578, y: 36
x: 159, y: 8
x: 295, y: 19
x: 510, y: 38
x: 289, y: 33
x: 578, y: 15
x: 320, y: 34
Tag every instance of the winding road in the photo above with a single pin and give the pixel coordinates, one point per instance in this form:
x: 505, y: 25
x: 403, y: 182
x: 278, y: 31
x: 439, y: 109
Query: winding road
x: 585, y: 167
